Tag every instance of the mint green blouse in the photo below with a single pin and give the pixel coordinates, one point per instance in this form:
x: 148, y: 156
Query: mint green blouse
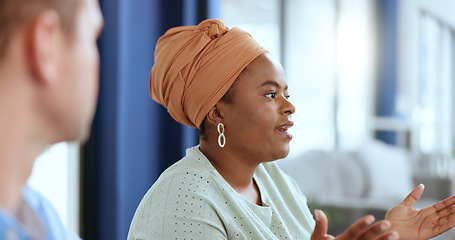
x: 191, y: 200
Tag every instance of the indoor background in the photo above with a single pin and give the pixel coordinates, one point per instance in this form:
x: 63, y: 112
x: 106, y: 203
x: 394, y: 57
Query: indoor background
x: 372, y: 82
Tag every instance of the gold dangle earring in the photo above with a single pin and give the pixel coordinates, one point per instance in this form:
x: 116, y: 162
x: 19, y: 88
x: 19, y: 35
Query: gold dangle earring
x: 221, y: 137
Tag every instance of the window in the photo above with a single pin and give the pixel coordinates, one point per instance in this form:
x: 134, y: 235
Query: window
x: 435, y: 107
x: 56, y: 176
x: 324, y: 47
x: 327, y: 49
x: 260, y: 18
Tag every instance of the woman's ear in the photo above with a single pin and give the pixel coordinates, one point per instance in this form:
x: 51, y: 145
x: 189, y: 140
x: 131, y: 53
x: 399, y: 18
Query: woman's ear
x: 214, y: 116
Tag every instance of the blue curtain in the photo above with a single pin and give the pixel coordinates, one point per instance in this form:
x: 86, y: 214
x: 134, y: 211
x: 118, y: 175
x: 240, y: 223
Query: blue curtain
x: 387, y: 19
x: 133, y: 139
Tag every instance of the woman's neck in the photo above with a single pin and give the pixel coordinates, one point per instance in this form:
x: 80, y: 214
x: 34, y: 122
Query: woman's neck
x: 234, y: 168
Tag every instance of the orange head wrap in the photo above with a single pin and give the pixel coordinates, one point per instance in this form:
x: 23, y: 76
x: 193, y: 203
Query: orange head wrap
x: 196, y: 65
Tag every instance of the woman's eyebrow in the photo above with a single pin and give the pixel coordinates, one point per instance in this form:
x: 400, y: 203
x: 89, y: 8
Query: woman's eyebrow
x: 276, y: 84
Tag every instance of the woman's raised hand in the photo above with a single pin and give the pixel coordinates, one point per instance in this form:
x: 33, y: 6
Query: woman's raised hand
x: 415, y: 224
x: 363, y: 229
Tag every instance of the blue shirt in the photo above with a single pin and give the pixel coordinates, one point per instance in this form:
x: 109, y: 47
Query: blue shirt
x: 11, y: 229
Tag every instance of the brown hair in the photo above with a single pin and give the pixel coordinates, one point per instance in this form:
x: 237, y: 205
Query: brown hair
x: 14, y: 13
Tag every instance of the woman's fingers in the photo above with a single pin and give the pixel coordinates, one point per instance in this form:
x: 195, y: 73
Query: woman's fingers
x: 379, y: 231
x: 357, y: 228
x: 445, y: 218
x: 320, y: 229
x: 414, y: 196
x: 363, y: 230
x: 389, y: 236
x: 445, y: 204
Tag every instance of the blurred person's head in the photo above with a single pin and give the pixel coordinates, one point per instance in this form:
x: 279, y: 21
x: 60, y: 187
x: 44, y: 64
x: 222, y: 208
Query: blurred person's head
x: 49, y: 66
x: 14, y: 13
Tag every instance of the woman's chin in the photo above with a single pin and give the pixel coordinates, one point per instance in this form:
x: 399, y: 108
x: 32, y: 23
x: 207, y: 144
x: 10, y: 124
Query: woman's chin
x: 282, y: 153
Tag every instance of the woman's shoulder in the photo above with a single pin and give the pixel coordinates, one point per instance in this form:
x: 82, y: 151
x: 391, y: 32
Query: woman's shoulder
x: 194, y: 163
x: 185, y: 192
x: 193, y: 175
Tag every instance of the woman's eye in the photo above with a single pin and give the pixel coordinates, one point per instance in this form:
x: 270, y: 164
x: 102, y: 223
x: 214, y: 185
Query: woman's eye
x: 287, y: 96
x: 271, y: 95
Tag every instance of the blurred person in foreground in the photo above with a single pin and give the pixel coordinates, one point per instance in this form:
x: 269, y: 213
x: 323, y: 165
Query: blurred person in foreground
x: 49, y: 67
x: 222, y: 82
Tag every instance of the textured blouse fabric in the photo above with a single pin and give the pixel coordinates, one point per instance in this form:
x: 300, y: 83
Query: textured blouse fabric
x: 191, y: 200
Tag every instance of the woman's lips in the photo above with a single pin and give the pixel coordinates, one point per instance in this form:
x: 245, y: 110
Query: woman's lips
x: 282, y: 130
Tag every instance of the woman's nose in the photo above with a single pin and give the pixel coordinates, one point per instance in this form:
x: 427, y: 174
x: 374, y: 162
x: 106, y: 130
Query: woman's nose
x: 288, y: 107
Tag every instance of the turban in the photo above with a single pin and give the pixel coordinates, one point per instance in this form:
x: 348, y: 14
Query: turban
x: 196, y: 65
